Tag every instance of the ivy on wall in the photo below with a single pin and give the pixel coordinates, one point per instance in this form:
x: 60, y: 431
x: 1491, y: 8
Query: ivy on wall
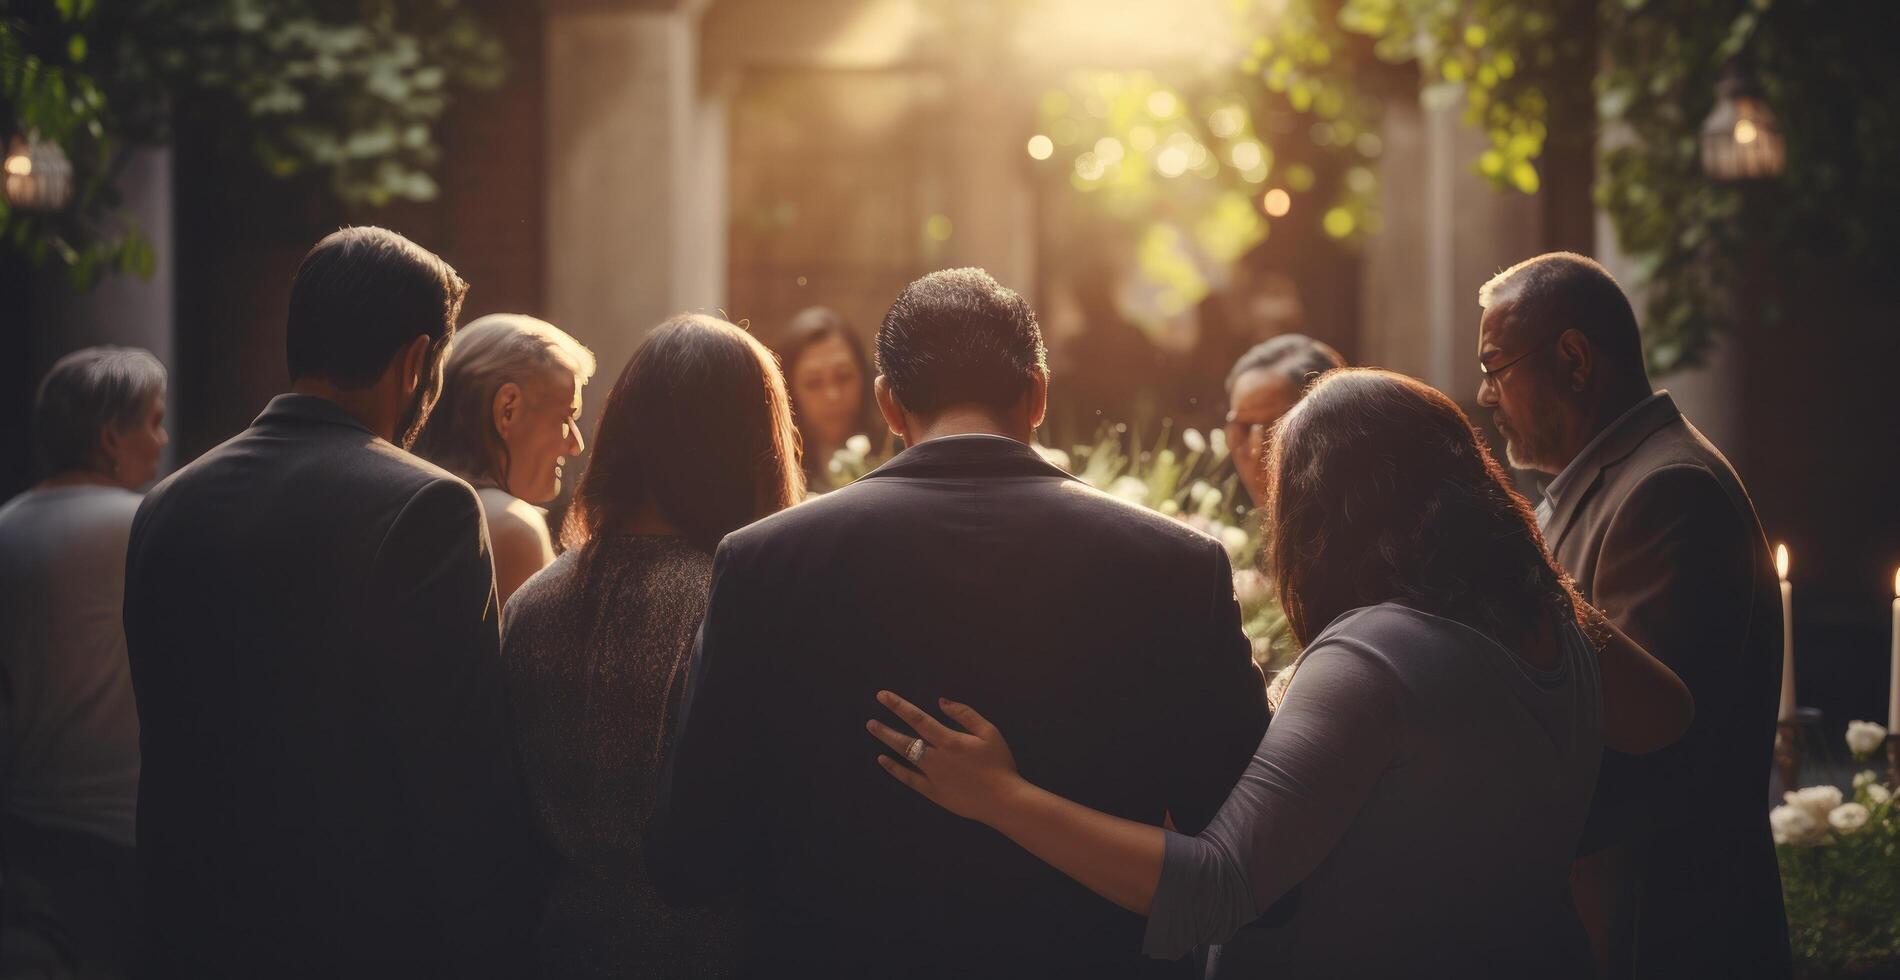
x: 345, y: 93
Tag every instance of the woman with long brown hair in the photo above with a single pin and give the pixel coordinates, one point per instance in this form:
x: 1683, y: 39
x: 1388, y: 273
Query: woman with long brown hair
x: 695, y: 441
x: 828, y: 375
x: 1425, y: 780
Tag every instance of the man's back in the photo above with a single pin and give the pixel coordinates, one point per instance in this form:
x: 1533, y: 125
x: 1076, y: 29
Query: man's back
x: 1661, y: 535
x: 1103, y: 638
x: 328, y: 785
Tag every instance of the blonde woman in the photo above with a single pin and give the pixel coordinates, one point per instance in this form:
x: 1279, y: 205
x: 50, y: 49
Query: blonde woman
x: 507, y: 421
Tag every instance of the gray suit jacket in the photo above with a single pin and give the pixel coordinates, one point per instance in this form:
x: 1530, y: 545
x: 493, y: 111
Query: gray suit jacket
x: 1680, y: 878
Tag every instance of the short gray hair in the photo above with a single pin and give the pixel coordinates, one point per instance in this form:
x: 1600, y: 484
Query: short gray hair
x: 85, y: 392
x: 1299, y: 357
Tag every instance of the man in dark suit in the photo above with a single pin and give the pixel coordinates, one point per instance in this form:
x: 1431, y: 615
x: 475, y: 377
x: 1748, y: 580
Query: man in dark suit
x: 1679, y: 877
x: 329, y: 786
x: 1104, y: 638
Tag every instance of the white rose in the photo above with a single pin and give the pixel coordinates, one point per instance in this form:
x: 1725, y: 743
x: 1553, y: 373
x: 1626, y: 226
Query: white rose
x: 1170, y: 508
x: 1217, y: 441
x: 859, y: 445
x: 1195, y: 442
x: 1816, y: 801
x: 1250, y: 587
x: 1881, y: 795
x: 1235, y: 541
x: 1864, y: 738
x: 1129, y: 488
x: 1848, y: 817
x: 1864, y: 777
x: 1794, y: 825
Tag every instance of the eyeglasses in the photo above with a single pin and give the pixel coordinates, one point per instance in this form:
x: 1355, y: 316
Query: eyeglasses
x: 1491, y: 373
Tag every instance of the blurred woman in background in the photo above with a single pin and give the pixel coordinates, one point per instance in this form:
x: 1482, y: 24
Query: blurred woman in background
x: 829, y: 376
x: 1265, y: 384
x: 69, y: 765
x: 695, y: 441
x: 507, y: 420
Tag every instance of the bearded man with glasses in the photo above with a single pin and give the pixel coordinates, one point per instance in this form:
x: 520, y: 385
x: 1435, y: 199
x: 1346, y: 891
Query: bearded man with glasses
x: 1677, y: 873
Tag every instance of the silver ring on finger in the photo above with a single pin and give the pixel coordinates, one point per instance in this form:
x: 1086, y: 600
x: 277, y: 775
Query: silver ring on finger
x: 916, y: 751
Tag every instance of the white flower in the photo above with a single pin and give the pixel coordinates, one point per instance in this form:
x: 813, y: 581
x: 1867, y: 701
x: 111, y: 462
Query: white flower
x: 1235, y: 541
x: 1169, y: 508
x: 1816, y: 801
x: 836, y: 465
x: 1864, y: 778
x: 1250, y: 587
x: 1217, y: 441
x: 1794, y: 825
x: 859, y: 445
x: 1848, y: 817
x: 1129, y: 488
x: 1881, y: 795
x: 1864, y: 738
x: 1193, y: 439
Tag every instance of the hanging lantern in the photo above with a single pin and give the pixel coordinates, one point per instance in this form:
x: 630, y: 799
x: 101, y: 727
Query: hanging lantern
x: 1741, y: 140
x: 39, y: 177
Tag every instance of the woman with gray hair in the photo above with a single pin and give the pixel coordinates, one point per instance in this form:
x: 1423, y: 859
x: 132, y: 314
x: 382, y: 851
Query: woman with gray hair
x: 69, y: 734
x: 508, y: 418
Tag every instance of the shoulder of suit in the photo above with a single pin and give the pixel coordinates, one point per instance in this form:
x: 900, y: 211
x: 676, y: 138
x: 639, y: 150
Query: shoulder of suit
x: 1110, y: 513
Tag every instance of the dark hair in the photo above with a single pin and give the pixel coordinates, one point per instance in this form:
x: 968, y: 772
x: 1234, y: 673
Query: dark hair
x: 1300, y: 357
x: 958, y: 337
x: 1380, y: 490
x: 361, y: 295
x: 699, y: 425
x: 809, y: 327
x: 85, y: 392
x: 1564, y: 290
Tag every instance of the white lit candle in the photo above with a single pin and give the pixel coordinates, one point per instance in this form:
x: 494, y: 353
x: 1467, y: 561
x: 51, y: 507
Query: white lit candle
x: 1893, y: 684
x: 1786, y: 713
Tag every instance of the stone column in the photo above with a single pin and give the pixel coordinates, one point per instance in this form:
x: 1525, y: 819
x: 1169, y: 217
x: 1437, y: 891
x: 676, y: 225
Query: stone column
x: 1447, y: 230
x: 635, y: 176
x: 124, y: 310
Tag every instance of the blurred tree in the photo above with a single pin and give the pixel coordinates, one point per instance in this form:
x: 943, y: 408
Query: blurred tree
x: 1531, y: 73
x: 343, y: 91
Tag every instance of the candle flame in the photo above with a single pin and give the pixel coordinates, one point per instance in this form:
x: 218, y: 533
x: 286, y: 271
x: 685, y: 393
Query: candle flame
x: 1781, y: 561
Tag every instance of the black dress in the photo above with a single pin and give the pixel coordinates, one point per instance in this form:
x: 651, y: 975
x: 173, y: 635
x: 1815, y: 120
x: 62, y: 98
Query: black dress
x: 592, y: 644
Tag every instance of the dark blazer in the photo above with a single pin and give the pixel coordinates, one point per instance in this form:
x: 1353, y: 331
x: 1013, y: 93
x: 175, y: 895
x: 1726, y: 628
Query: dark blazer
x: 329, y: 786
x: 1103, y: 640
x: 1656, y: 528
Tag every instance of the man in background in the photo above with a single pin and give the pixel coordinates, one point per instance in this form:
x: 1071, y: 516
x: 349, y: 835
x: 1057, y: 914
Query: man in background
x: 1678, y: 877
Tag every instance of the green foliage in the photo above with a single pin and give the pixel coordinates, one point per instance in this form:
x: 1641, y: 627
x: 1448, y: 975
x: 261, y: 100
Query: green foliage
x: 1310, y: 80
x: 344, y: 91
x: 1828, y: 75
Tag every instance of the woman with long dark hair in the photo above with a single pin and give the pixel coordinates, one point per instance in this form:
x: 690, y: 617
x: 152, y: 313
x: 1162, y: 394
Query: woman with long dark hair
x: 1425, y: 780
x: 829, y: 377
x: 695, y: 441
